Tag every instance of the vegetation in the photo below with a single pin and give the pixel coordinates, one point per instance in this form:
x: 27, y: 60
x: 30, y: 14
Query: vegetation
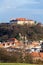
x: 6, y: 56
x: 16, y: 57
x: 28, y: 58
x: 8, y: 30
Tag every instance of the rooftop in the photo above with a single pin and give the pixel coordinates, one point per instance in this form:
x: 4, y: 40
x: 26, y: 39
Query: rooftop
x: 20, y: 19
x: 37, y: 54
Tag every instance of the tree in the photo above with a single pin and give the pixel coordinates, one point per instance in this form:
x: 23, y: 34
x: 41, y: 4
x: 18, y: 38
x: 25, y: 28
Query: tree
x: 28, y: 59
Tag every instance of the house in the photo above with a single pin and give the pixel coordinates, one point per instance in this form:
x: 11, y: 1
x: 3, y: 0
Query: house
x: 34, y: 46
x: 35, y: 49
x: 12, y: 42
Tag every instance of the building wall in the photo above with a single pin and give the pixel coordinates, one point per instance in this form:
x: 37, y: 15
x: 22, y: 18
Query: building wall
x: 31, y: 22
x: 25, y: 22
x: 20, y: 22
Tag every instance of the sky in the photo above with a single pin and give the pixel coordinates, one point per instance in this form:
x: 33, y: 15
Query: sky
x: 30, y: 9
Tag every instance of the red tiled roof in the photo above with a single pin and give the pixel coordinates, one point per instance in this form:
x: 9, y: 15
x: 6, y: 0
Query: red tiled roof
x: 21, y: 19
x: 12, y: 39
x: 37, y: 54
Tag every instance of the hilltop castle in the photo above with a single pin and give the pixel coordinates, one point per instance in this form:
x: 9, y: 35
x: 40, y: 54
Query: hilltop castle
x: 22, y: 21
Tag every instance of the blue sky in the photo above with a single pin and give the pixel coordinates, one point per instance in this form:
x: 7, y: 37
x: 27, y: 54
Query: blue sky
x: 31, y: 9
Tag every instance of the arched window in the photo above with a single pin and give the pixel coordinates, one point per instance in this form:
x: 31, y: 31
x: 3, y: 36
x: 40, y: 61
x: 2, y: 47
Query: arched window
x: 3, y: 44
x: 13, y: 43
x: 8, y: 44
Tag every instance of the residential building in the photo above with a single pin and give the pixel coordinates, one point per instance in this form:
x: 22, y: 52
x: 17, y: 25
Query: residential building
x: 13, y: 42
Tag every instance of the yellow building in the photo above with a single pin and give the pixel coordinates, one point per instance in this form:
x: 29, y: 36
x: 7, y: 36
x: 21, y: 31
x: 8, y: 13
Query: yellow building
x: 23, y: 21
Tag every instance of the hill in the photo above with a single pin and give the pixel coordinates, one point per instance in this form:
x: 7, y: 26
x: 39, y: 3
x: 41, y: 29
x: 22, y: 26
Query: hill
x: 12, y: 30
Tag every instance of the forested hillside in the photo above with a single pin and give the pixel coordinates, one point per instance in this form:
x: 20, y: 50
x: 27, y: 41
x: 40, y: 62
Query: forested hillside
x: 8, y: 30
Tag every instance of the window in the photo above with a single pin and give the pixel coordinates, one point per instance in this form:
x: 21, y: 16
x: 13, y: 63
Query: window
x: 8, y: 44
x: 3, y: 44
x: 13, y: 43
